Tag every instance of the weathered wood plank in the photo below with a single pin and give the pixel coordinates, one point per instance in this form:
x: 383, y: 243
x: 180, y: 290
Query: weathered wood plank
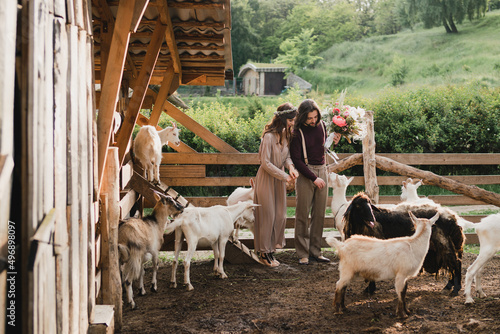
x: 182, y: 171
x: 60, y: 173
x: 369, y: 167
x: 111, y: 288
x: 127, y: 202
x: 406, y: 158
x: 211, y: 158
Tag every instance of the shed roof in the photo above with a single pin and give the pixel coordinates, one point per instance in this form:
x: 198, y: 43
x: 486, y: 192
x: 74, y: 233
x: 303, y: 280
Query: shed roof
x: 262, y: 67
x: 197, y: 43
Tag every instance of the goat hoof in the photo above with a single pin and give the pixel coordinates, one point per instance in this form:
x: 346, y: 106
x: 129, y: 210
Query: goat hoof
x: 189, y: 287
x: 142, y: 292
x: 469, y: 301
x: 454, y: 293
x: 132, y: 305
x: 154, y: 288
x: 173, y: 285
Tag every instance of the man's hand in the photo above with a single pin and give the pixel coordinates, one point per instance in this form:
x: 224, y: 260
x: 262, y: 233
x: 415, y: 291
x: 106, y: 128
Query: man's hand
x: 319, y: 183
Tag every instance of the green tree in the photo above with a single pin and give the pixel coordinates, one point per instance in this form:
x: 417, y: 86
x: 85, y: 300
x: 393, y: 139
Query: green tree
x: 297, y: 51
x: 243, y: 34
x: 447, y: 13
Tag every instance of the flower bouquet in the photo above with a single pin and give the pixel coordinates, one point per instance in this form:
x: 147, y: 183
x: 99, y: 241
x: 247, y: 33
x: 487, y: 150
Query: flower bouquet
x: 345, y: 120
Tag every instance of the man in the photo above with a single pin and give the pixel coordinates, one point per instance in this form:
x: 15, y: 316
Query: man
x: 308, y: 155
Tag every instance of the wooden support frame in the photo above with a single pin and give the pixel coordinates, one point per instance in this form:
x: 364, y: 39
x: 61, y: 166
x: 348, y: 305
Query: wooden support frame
x: 112, y: 79
x: 140, y: 89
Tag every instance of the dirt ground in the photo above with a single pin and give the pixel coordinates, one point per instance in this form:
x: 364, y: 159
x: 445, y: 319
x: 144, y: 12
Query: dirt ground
x: 294, y: 298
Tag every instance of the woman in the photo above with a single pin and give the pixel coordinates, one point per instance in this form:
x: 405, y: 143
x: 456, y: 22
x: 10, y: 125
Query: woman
x: 270, y: 184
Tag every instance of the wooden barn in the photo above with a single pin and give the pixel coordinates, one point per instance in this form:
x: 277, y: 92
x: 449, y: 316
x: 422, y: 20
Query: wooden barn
x: 65, y: 73
x: 68, y: 69
x: 269, y: 79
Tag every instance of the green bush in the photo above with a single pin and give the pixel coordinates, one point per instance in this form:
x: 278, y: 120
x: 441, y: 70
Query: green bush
x: 446, y: 119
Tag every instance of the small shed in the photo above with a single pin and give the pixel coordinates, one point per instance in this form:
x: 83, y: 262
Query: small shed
x: 269, y: 79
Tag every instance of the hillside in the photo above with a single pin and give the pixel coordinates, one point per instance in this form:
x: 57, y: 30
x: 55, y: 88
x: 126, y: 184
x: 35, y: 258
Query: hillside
x: 429, y: 57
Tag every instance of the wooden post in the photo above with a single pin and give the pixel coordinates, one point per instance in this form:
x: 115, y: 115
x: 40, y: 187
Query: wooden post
x: 369, y: 165
x: 111, y: 281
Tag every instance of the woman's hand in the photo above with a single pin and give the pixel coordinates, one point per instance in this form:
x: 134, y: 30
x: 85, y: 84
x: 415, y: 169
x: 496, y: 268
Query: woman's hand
x: 293, y: 172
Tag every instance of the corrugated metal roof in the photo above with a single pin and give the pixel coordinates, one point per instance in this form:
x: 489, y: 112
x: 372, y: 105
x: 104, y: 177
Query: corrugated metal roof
x: 202, y: 34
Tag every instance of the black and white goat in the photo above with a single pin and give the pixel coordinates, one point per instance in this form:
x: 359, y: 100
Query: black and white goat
x: 376, y: 259
x: 447, y: 239
x: 139, y: 237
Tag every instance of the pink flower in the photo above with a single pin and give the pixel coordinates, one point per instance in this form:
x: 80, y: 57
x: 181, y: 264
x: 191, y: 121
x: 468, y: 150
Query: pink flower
x: 346, y: 113
x: 339, y: 121
x: 336, y: 111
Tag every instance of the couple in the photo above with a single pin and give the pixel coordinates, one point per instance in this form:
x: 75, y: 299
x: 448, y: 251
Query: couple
x: 302, y: 152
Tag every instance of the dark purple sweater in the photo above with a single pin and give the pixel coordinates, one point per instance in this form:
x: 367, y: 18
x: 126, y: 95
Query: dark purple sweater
x: 315, y: 140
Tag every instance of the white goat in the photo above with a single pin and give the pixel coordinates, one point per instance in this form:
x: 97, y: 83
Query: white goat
x: 488, y: 231
x: 139, y: 237
x: 242, y: 194
x: 378, y: 259
x: 409, y: 192
x: 147, y: 148
x: 339, y: 204
x: 213, y: 224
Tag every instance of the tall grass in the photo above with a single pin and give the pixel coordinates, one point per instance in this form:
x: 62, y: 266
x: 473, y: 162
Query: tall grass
x: 432, y: 56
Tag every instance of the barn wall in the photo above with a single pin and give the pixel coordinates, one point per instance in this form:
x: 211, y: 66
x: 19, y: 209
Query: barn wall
x: 8, y: 20
x: 54, y: 202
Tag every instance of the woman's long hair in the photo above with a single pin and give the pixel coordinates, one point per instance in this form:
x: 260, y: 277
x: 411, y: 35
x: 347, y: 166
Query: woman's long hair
x: 278, y: 123
x: 304, y: 109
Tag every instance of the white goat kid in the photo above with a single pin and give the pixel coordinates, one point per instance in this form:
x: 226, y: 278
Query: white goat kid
x: 147, y: 148
x: 488, y: 231
x: 213, y: 225
x: 379, y: 259
x: 242, y: 194
x: 139, y: 237
x: 339, y: 204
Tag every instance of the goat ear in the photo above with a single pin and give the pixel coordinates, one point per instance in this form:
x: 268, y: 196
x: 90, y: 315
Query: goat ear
x: 375, y: 208
x: 435, y: 218
x: 252, y: 183
x: 174, y: 125
x: 350, y: 179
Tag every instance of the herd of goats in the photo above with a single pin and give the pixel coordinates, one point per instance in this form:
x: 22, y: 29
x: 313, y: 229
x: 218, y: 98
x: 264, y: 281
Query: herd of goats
x: 377, y: 243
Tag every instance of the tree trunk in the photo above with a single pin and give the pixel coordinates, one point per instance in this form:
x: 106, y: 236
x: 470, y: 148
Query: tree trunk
x: 446, y: 26
x: 452, y: 25
x: 436, y: 180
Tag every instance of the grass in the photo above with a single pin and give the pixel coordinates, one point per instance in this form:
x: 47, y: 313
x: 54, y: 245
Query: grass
x: 432, y: 56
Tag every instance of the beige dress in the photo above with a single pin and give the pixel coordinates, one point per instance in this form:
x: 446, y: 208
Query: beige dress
x: 270, y: 193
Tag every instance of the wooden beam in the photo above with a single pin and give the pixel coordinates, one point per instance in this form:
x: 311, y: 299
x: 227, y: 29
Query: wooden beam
x: 112, y: 79
x: 169, y: 36
x: 140, y: 89
x: 199, y: 130
x: 212, y: 158
x: 140, y: 8
x: 162, y: 96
